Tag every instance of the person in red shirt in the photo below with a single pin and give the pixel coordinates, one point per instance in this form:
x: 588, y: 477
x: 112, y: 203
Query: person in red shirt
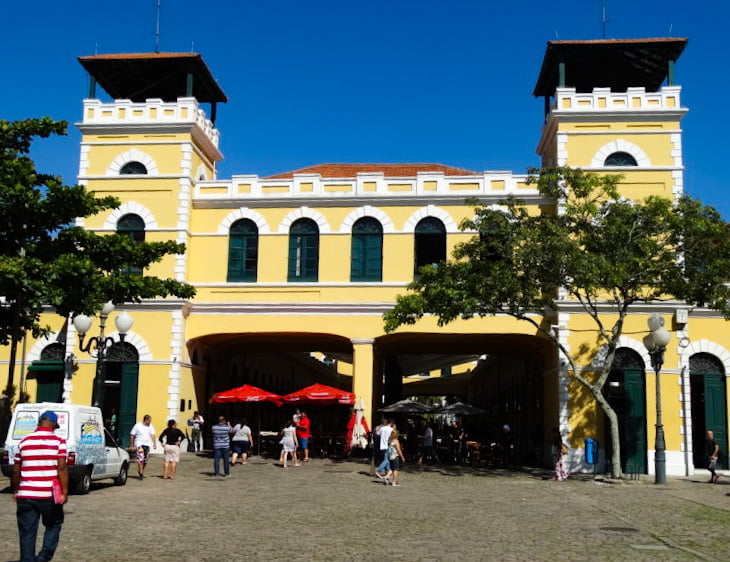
x: 39, y: 463
x: 303, y: 434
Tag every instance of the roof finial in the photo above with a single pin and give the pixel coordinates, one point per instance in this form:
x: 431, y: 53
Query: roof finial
x: 603, y: 18
x: 157, y: 27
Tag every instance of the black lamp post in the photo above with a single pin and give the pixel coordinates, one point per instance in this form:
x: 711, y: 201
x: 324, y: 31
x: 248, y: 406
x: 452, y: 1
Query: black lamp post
x: 100, y: 344
x: 656, y: 342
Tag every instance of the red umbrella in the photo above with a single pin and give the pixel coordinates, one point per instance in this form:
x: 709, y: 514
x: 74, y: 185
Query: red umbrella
x: 320, y: 394
x: 246, y: 393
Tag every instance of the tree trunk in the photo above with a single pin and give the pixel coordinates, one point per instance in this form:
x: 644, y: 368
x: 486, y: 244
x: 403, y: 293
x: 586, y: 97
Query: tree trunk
x: 613, y: 424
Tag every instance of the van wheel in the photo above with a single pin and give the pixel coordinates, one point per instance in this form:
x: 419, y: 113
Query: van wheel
x: 121, y: 480
x: 84, y: 485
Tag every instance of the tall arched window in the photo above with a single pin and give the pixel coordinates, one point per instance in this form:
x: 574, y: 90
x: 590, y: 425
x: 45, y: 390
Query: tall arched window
x: 133, y: 167
x: 429, y: 243
x: 367, y: 250
x: 243, y: 251
x: 132, y: 225
x: 620, y: 159
x: 303, y: 251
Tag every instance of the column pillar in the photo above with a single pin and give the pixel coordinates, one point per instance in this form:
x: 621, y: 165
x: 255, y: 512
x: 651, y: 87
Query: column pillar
x: 362, y: 374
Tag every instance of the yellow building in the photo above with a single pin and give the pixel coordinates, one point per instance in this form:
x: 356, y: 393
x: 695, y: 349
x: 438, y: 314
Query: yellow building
x: 295, y: 270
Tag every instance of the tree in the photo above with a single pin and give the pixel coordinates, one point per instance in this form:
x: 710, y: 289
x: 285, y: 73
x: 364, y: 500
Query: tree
x: 594, y: 248
x: 47, y: 261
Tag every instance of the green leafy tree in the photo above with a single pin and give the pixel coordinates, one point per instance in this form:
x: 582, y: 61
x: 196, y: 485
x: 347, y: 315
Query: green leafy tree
x: 595, y: 248
x: 47, y: 261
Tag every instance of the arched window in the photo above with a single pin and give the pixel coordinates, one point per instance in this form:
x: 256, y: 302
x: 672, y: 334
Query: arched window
x: 620, y: 159
x: 133, y: 168
x: 367, y: 250
x: 303, y: 251
x: 132, y: 225
x: 429, y: 243
x: 243, y: 251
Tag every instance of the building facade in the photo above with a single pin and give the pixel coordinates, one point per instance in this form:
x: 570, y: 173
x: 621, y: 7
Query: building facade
x: 294, y: 271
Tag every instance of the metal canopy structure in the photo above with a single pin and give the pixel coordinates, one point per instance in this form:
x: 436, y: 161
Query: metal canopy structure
x: 140, y: 76
x: 608, y: 63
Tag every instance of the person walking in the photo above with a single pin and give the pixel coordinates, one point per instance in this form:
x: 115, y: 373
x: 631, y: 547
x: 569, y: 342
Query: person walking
x: 197, y: 422
x: 384, y: 439
x: 288, y: 444
x: 40, y: 462
x: 241, y: 442
x: 713, y: 453
x: 142, y: 439
x: 171, y: 438
x: 221, y: 447
x: 506, y: 446
x: 560, y: 449
x: 303, y: 434
x: 395, y: 456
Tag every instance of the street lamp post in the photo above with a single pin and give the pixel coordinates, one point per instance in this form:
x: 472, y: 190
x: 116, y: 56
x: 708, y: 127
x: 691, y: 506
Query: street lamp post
x: 100, y: 344
x: 656, y: 342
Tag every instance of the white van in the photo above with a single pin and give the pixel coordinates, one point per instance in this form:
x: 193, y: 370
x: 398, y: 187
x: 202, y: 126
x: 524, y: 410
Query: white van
x: 93, y: 453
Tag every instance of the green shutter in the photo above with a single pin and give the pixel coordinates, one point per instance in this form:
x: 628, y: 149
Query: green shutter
x: 128, y: 400
x: 716, y: 413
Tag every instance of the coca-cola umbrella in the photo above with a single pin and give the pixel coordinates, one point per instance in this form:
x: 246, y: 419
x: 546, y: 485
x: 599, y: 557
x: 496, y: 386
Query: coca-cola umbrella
x: 320, y: 394
x: 245, y: 393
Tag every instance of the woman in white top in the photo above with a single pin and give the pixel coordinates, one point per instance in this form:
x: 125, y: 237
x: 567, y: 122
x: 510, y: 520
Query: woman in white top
x: 289, y: 444
x: 241, y: 442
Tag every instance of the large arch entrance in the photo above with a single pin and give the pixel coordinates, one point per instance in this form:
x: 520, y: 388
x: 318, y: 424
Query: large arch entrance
x: 280, y: 362
x: 510, y: 376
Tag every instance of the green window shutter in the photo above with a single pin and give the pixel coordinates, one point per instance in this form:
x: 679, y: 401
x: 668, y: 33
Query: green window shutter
x: 133, y: 226
x: 243, y: 245
x: 303, y: 251
x: 366, y: 263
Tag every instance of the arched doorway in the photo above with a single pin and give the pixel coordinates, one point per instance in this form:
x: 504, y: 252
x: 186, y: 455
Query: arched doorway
x: 709, y: 406
x: 121, y: 380
x: 626, y: 393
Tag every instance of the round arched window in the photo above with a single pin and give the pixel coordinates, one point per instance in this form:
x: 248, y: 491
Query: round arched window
x: 620, y: 159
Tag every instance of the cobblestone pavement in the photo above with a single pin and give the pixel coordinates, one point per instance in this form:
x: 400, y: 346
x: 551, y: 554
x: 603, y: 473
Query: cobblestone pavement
x: 328, y: 510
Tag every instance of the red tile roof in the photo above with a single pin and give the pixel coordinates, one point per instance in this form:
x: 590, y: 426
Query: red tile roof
x: 389, y: 170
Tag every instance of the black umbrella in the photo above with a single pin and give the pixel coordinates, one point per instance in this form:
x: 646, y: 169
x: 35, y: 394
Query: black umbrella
x: 406, y: 407
x: 460, y: 409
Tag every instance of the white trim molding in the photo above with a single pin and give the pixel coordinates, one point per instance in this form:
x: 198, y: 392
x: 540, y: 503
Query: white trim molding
x: 431, y: 211
x: 132, y: 155
x: 243, y: 213
x: 131, y: 207
x: 367, y: 211
x: 304, y: 212
x: 620, y: 145
x: 706, y: 346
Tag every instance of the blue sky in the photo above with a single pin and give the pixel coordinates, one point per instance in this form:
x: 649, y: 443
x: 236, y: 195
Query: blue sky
x: 379, y: 81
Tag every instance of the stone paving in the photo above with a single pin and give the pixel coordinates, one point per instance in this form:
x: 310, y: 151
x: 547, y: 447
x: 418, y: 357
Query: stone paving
x: 328, y: 510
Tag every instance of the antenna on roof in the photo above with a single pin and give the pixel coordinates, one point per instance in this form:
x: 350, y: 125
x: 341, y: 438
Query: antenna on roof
x: 603, y: 18
x: 157, y: 27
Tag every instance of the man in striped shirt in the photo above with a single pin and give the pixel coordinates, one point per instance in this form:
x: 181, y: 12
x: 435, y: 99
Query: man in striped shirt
x: 40, y: 460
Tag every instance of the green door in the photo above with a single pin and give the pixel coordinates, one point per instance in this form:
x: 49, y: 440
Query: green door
x: 128, y: 400
x: 626, y: 393
x: 716, y: 413
x: 709, y: 407
x: 633, y: 436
